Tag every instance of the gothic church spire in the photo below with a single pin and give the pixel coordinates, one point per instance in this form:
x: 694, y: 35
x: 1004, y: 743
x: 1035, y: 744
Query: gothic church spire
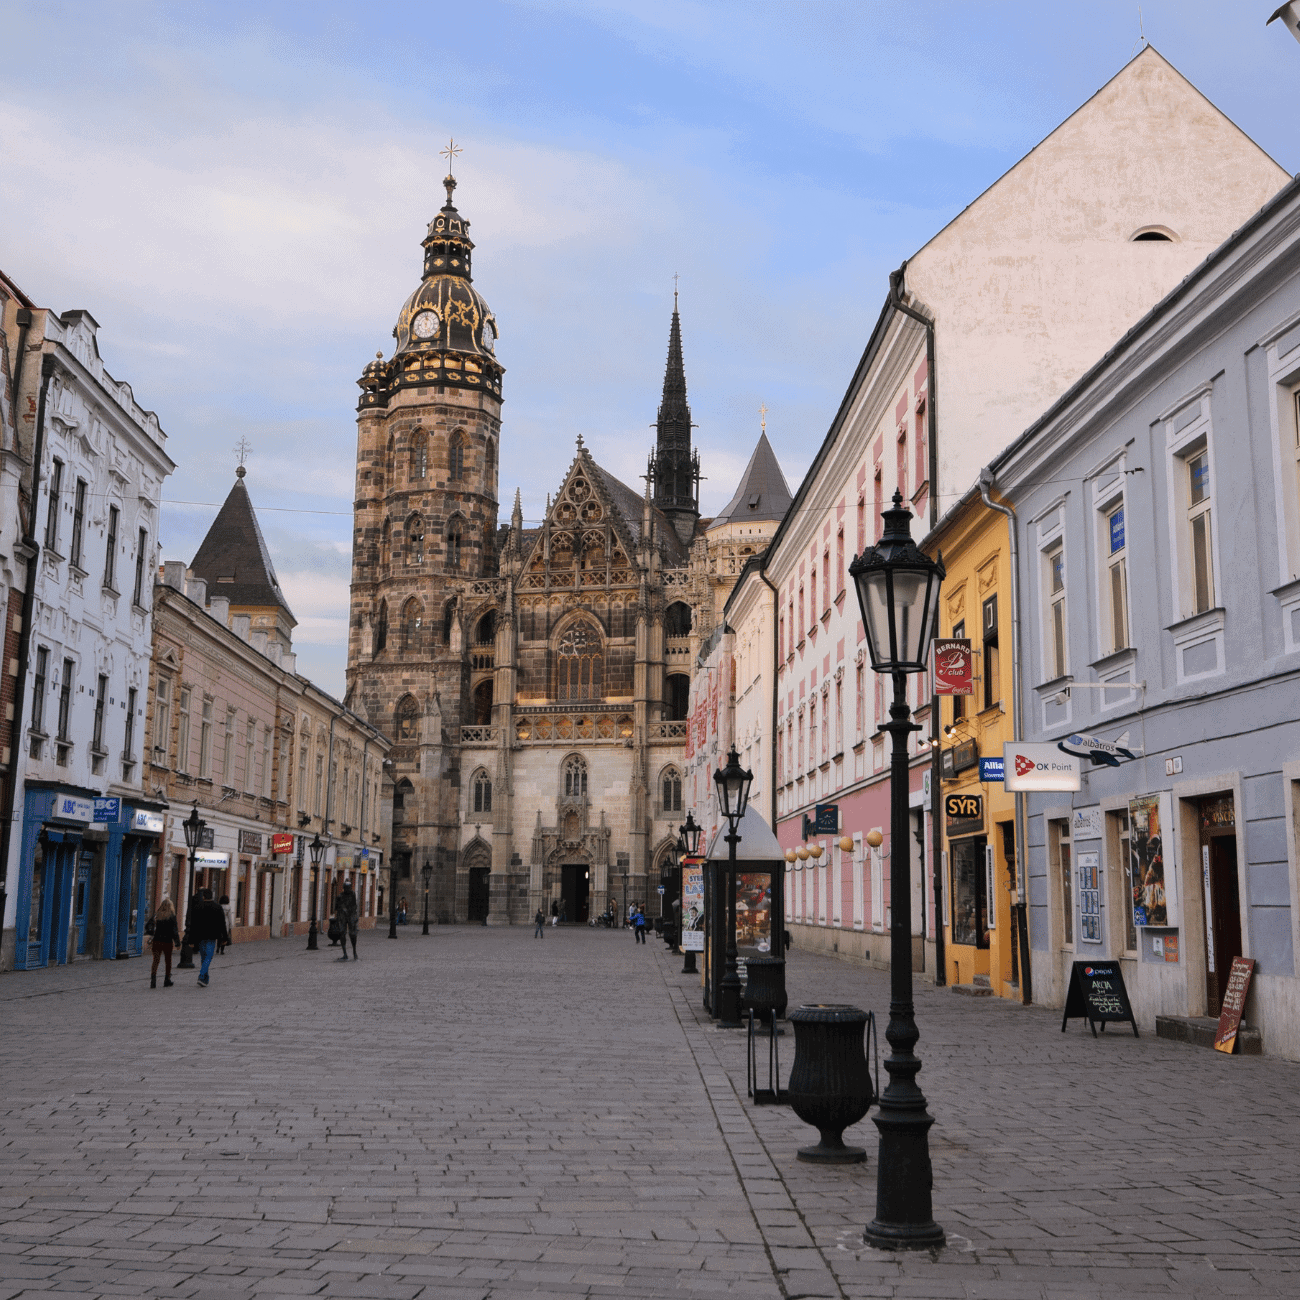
x: 674, y: 466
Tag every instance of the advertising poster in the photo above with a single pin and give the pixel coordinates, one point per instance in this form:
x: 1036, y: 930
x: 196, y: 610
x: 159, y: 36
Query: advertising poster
x: 952, y: 667
x: 692, y: 907
x: 1148, y: 861
x: 754, y: 912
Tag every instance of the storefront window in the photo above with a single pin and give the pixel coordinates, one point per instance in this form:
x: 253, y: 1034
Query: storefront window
x: 969, y: 893
x: 1060, y: 836
x: 754, y: 910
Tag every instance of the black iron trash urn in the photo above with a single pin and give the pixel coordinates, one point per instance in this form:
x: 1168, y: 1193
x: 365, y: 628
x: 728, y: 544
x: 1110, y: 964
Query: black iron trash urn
x: 765, y: 988
x: 830, y: 1084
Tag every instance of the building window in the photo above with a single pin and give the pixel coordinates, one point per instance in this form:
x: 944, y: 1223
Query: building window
x: 1054, y: 567
x: 415, y: 540
x: 826, y: 577
x: 411, y: 623
x: 38, y: 699
x: 1063, y: 868
x: 862, y: 524
x: 880, y: 501
x: 902, y: 459
x: 205, y: 741
x: 162, y: 720
x: 861, y: 713
x: 78, y: 521
x: 812, y: 595
x: 128, y: 734
x: 408, y: 719
x: 840, y: 571
x: 812, y: 732
x: 228, y: 750
x: 303, y: 742
x: 65, y: 701
x: 970, y: 926
x: 52, y: 518
x: 386, y: 545
x: 138, y: 597
x: 110, y: 554
x: 482, y: 792
x: 575, y: 779
x: 320, y: 784
x: 266, y: 762
x: 183, y: 731
x: 580, y: 664
x: 1198, y: 523
x: 97, y: 732
x: 453, y: 544
x: 250, y: 765
x: 1116, y: 595
x: 672, y: 783
x: 992, y: 678
x: 839, y: 716
x: 420, y: 457
x: 456, y: 457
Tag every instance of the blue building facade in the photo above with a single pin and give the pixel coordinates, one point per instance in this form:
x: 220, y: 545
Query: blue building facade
x: 1157, y: 530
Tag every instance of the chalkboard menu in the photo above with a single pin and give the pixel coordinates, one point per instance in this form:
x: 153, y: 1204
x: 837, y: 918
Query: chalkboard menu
x: 1234, y: 1003
x: 1097, y: 994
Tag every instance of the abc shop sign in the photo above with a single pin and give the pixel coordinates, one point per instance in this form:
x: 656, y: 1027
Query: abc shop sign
x: 1039, y: 767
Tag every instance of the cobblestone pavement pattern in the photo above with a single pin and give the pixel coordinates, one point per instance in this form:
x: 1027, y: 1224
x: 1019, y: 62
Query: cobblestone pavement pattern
x: 558, y: 1118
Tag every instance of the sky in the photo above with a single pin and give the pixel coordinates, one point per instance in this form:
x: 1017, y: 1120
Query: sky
x: 237, y: 193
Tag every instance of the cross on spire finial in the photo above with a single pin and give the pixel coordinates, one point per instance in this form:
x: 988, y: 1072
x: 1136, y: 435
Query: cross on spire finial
x: 242, y: 448
x: 676, y: 277
x: 449, y: 153
x: 762, y: 416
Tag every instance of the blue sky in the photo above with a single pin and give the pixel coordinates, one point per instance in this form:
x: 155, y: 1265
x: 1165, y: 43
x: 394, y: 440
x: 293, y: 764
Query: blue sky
x: 237, y: 193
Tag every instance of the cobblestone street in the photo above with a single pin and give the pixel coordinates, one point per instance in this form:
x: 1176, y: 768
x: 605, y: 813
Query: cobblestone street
x: 555, y: 1118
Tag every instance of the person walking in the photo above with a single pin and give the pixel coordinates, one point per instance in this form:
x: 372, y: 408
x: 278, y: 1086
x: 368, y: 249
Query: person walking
x: 539, y: 925
x: 166, y: 935
x: 347, y: 914
x: 638, y: 921
x: 208, y: 926
x: 229, y: 913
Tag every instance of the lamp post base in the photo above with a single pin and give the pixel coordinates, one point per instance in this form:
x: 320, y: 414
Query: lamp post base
x: 729, y: 1003
x: 904, y: 1178
x: 688, y: 966
x: 187, y: 958
x: 311, y: 936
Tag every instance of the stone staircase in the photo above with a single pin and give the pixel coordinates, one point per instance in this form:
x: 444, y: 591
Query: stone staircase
x: 978, y: 988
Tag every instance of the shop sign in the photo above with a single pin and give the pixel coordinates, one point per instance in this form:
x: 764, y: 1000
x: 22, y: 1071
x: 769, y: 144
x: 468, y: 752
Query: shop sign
x: 991, y: 769
x: 964, y: 814
x: 959, y: 758
x: 1086, y: 823
x: 1039, y: 767
x: 1103, y: 753
x: 1097, y: 994
x: 365, y: 853
x: 208, y: 838
x: 144, y: 822
x: 207, y: 859
x: 108, y: 810
x: 250, y: 842
x: 1234, y: 1003
x: 282, y: 842
x: 953, y: 674
x: 71, y: 809
x: 1218, y: 814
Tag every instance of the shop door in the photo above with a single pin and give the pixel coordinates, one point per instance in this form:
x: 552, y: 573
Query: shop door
x: 1219, y: 859
x: 81, y: 903
x: 478, y: 893
x: 575, y: 890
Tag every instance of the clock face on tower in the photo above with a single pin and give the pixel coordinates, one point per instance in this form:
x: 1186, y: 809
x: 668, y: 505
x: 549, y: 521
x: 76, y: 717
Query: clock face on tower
x: 489, y: 335
x: 426, y: 324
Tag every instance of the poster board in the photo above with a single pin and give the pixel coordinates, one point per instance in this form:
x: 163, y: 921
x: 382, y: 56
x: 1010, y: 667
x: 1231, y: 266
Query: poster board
x: 692, y: 905
x: 1234, y: 1003
x: 1154, y: 882
x: 1097, y: 995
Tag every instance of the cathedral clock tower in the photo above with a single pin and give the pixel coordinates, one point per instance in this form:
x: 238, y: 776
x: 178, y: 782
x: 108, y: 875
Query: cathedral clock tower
x: 428, y: 428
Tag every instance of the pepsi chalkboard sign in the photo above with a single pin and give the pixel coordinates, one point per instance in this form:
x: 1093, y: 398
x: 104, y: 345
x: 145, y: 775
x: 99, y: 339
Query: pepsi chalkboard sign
x: 1097, y: 994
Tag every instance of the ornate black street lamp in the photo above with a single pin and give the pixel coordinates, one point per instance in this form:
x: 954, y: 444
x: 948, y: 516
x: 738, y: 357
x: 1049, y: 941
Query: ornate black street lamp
x: 624, y: 920
x: 898, y: 592
x: 426, y: 871
x: 688, y: 846
x: 392, y: 900
x: 194, y: 826
x: 733, y: 782
x: 316, y: 848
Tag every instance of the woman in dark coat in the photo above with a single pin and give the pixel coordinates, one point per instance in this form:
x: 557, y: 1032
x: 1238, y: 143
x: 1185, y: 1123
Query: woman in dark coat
x: 166, y: 935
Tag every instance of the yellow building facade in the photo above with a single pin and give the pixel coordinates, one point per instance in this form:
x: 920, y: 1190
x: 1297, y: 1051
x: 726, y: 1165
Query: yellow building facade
x: 981, y: 944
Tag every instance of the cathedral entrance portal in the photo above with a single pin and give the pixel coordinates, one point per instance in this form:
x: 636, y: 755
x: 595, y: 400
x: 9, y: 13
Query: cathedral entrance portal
x: 575, y: 889
x: 478, y: 893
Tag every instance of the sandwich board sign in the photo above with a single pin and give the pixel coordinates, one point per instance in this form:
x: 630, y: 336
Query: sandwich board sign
x: 1097, y: 995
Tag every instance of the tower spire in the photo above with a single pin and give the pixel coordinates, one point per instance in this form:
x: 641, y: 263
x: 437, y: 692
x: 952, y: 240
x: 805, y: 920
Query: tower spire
x: 674, y: 464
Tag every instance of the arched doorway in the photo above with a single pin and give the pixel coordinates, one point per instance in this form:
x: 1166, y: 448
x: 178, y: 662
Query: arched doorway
x: 478, y: 867
x: 575, y: 891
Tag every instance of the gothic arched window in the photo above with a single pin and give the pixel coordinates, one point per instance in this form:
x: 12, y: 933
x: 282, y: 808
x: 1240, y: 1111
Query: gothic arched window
x: 579, y: 673
x: 454, y: 544
x: 408, y: 718
x: 490, y: 457
x: 412, y: 621
x: 420, y: 457
x: 672, y: 783
x: 381, y: 627
x: 386, y: 545
x: 448, y: 618
x: 456, y: 456
x: 482, y: 792
x: 415, y: 540
x: 575, y: 778
x: 679, y: 696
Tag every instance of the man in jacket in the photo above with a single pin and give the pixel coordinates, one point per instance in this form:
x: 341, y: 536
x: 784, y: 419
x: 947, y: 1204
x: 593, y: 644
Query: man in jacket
x: 207, y: 924
x: 348, y: 914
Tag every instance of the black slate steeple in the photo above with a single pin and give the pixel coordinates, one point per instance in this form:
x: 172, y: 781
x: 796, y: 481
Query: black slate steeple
x: 674, y: 467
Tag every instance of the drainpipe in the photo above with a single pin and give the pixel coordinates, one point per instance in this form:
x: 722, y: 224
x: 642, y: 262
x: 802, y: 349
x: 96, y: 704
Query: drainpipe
x: 1022, y: 925
x: 31, y: 547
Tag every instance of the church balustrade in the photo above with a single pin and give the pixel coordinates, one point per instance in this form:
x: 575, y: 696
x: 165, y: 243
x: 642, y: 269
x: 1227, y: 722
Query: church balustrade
x: 563, y: 579
x: 483, y: 657
x: 676, y: 577
x: 666, y: 732
x: 547, y: 724
x: 479, y: 735
x: 487, y: 587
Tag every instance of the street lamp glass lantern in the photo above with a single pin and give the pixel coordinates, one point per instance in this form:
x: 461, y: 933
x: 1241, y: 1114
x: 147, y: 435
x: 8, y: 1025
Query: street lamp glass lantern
x: 316, y: 848
x: 194, y: 827
x: 733, y: 782
x: 898, y: 593
x: 689, y: 836
x: 426, y: 871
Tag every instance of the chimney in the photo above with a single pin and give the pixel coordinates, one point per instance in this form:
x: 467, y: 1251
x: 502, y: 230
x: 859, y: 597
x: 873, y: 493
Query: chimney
x: 219, y: 608
x: 239, y: 625
x: 174, y: 574
x: 258, y: 642
x: 289, y: 663
x: 197, y: 590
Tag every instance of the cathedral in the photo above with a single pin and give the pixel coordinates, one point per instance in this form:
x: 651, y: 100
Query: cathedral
x: 534, y: 681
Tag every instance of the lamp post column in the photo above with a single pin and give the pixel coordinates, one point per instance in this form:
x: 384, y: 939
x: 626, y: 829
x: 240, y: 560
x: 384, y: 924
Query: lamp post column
x: 729, y: 1004
x: 426, y: 872
x: 392, y: 901
x: 186, y: 961
x: 904, y: 1211
x: 312, y: 929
